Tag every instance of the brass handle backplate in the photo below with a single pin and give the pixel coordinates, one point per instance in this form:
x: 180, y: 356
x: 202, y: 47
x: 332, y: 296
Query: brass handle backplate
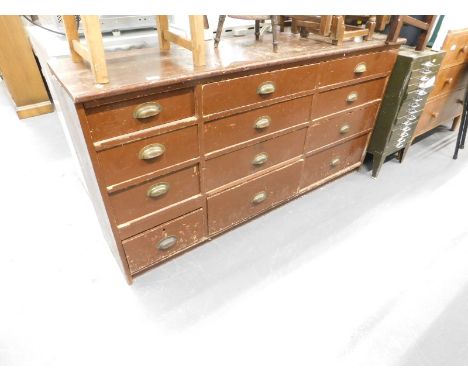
x: 266, y: 88
x: 344, y: 129
x: 152, y: 151
x: 167, y: 243
x: 147, y: 110
x: 262, y: 122
x: 360, y: 68
x: 335, y: 162
x: 353, y: 96
x: 260, y: 197
x: 157, y: 190
x: 260, y: 159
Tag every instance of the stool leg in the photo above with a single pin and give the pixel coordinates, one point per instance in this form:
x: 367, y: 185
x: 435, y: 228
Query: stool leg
x: 219, y: 30
x: 257, y: 30
x: 274, y: 26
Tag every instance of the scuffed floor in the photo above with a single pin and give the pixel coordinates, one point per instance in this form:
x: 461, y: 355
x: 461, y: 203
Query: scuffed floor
x: 361, y: 271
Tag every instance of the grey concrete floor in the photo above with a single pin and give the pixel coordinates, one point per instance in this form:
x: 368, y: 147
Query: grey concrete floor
x: 361, y: 271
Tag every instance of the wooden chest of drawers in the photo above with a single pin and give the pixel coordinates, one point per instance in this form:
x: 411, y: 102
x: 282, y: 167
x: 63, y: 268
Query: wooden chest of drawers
x: 173, y: 155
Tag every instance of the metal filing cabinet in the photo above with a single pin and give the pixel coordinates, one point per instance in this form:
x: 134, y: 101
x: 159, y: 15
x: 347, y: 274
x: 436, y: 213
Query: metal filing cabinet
x: 411, y: 81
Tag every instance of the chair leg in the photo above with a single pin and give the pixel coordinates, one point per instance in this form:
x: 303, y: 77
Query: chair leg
x: 338, y: 29
x: 257, y: 30
x: 274, y: 26
x: 371, y: 26
x: 219, y: 30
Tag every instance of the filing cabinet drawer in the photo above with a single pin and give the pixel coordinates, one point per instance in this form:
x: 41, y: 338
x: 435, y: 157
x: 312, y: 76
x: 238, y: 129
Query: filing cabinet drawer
x: 449, y: 79
x: 251, y: 198
x: 155, y: 194
x: 164, y: 241
x: 328, y: 162
x: 243, y: 127
x: 337, y: 100
x: 338, y: 128
x: 137, y: 114
x: 238, y: 164
x: 243, y: 91
x: 128, y: 161
x: 356, y: 67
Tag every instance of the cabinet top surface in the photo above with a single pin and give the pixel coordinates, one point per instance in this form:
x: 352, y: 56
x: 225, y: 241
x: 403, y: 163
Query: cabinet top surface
x: 142, y: 69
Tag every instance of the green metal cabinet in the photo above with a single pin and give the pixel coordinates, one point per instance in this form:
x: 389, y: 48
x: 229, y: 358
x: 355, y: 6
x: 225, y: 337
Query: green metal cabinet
x: 408, y: 87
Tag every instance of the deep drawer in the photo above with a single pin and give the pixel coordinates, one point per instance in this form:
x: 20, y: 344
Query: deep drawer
x: 328, y: 162
x: 249, y: 199
x: 338, y: 128
x: 120, y: 118
x: 127, y: 162
x: 247, y: 126
x: 450, y: 79
x: 456, y: 48
x: 164, y: 241
x: 238, y: 164
x: 357, y: 67
x: 341, y: 99
x: 243, y: 91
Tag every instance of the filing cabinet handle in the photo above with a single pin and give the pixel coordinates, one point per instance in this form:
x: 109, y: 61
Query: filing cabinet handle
x: 167, y: 243
x: 344, y: 129
x: 157, y: 190
x: 360, y: 68
x: 353, y: 96
x: 146, y: 110
x: 260, y: 197
x: 335, y: 162
x: 152, y: 151
x: 262, y: 122
x: 266, y: 88
x: 434, y: 115
x: 260, y: 159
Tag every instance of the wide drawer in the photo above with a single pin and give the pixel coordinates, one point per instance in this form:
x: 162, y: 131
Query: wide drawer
x: 249, y: 199
x: 238, y: 164
x: 456, y: 48
x: 155, y: 194
x: 243, y: 127
x: 335, y: 129
x: 128, y: 161
x: 164, y: 241
x: 356, y: 67
x: 248, y: 90
x: 137, y: 114
x: 337, y: 100
x: 449, y: 79
x: 328, y: 162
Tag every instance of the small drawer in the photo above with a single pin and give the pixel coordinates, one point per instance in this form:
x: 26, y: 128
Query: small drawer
x: 137, y: 114
x: 148, y: 156
x: 356, y: 67
x: 244, y: 91
x: 155, y: 194
x: 328, y: 162
x: 339, y: 128
x: 337, y: 100
x: 431, y: 62
x: 247, y: 126
x: 449, y: 79
x: 164, y: 241
x: 456, y: 48
x: 238, y: 164
x: 251, y: 198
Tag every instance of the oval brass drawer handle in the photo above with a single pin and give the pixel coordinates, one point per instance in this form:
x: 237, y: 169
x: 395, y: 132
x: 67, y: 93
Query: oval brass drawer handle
x: 353, y: 96
x: 157, y: 190
x: 167, y: 243
x: 344, y: 129
x: 262, y: 122
x: 335, y: 162
x: 260, y: 197
x: 266, y: 88
x: 146, y: 110
x: 360, y: 68
x: 260, y: 159
x: 152, y: 151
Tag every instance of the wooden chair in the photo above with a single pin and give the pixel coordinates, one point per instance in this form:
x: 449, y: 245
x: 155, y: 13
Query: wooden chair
x: 303, y: 25
x: 93, y: 51
x: 257, y: 19
x: 341, y: 31
x: 425, y: 25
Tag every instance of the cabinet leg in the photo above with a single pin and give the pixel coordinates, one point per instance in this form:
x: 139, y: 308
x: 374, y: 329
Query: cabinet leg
x: 455, y: 123
x: 402, y: 153
x: 377, y: 162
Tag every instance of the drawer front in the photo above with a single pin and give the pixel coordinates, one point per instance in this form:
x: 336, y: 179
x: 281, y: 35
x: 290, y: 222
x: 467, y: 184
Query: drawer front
x: 127, y: 161
x: 238, y: 164
x: 328, y: 162
x: 357, y: 67
x: 335, y: 129
x: 164, y: 241
x: 155, y: 194
x: 449, y: 79
x: 249, y: 199
x: 243, y: 127
x: 456, y: 48
x: 243, y: 91
x: 337, y: 100
x: 138, y: 114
